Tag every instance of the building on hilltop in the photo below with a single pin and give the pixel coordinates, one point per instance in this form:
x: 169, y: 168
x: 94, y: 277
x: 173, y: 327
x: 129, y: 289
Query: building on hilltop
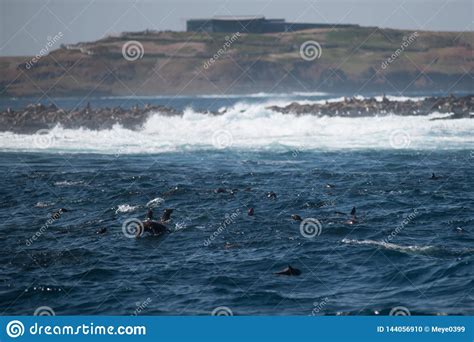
x: 252, y: 24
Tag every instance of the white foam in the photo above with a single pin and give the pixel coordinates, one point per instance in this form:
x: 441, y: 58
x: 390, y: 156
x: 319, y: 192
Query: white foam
x: 388, y: 245
x: 262, y: 95
x: 155, y: 202
x: 217, y: 96
x: 67, y: 183
x: 43, y: 204
x: 252, y: 126
x: 126, y: 208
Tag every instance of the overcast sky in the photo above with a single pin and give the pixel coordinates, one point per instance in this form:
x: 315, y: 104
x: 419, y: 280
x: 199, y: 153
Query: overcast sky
x: 25, y: 25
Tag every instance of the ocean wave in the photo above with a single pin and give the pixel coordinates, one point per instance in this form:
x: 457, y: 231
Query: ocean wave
x: 390, y: 246
x: 265, y: 95
x: 415, y: 249
x: 252, y: 126
x: 220, y: 96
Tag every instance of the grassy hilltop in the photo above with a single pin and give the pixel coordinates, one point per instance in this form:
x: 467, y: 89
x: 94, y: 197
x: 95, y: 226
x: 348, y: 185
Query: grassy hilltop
x: 173, y: 63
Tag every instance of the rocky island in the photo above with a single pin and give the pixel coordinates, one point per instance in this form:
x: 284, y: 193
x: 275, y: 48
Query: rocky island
x: 457, y: 107
x: 36, y: 117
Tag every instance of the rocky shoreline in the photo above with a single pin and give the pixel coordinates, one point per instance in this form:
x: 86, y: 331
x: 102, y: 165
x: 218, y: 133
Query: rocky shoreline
x: 36, y: 117
x: 458, y: 107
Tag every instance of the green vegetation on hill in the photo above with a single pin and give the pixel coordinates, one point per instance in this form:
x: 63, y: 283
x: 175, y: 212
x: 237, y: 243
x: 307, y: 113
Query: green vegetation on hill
x: 175, y: 63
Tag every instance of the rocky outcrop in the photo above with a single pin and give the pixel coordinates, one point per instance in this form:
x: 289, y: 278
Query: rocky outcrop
x: 457, y: 107
x: 35, y: 117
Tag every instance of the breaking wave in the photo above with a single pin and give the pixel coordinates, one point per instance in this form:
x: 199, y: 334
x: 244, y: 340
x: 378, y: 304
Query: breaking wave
x: 252, y: 126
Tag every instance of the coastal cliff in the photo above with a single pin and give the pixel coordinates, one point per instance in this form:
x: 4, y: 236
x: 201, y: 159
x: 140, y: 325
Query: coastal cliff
x: 352, y: 60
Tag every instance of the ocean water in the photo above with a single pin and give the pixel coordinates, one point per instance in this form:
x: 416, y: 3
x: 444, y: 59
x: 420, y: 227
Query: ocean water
x: 411, y: 247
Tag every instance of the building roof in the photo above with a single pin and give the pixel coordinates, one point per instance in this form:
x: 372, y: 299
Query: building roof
x: 234, y: 18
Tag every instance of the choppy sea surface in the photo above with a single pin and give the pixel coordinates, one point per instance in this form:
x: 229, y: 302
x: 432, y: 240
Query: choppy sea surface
x: 411, y: 246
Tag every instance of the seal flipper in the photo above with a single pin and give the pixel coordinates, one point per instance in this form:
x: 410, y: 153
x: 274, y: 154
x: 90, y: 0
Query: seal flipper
x: 289, y: 271
x: 149, y: 214
x: 166, y: 215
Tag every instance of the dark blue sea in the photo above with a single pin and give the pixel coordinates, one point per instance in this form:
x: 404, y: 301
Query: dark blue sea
x: 411, y: 246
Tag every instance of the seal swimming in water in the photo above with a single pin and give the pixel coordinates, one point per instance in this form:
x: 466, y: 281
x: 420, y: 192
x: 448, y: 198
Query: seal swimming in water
x: 152, y: 227
x: 166, y: 215
x: 250, y: 211
x: 289, y: 271
x: 434, y: 177
x: 353, y: 219
x: 102, y: 230
x: 296, y: 217
x: 272, y: 195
